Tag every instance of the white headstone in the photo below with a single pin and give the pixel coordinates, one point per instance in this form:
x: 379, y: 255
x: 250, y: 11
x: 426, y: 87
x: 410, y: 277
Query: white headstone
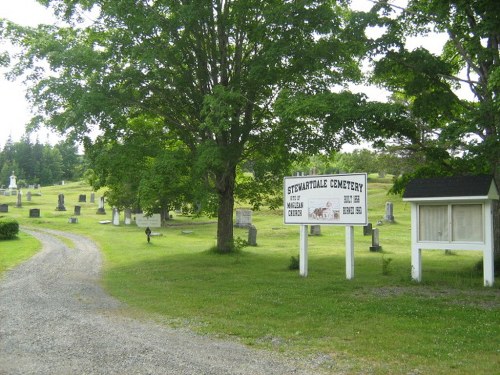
x: 128, y: 216
x: 243, y: 218
x: 116, y: 216
x: 12, y: 183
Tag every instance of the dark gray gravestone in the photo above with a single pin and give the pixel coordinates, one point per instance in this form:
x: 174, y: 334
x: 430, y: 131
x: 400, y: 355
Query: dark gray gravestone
x: 73, y: 220
x: 35, y: 212
x: 315, y: 230
x: 367, y: 229
x: 78, y: 210
x: 252, y: 235
x: 60, y: 203
x: 82, y: 198
x: 4, y: 208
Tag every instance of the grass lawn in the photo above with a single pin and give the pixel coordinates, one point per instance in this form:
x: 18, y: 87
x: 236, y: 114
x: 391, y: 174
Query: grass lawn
x: 17, y: 250
x: 380, y: 322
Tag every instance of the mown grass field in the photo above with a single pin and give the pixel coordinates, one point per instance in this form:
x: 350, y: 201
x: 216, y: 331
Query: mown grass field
x: 380, y: 322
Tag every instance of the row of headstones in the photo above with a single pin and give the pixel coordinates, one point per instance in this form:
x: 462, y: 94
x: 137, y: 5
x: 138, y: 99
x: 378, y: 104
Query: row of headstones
x: 19, y: 203
x: 81, y: 198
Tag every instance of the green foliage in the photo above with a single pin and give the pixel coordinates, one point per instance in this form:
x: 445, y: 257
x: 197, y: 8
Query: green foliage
x: 454, y: 134
x: 386, y: 266
x: 209, y: 74
x: 34, y: 163
x: 294, y: 263
x: 9, y: 229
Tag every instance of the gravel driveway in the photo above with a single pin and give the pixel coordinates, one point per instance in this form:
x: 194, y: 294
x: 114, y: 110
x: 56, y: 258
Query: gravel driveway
x: 56, y: 319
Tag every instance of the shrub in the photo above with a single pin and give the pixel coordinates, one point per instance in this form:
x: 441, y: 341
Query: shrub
x: 8, y: 229
x: 294, y: 263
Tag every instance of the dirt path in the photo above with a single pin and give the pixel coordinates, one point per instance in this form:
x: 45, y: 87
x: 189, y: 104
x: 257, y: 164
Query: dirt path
x: 56, y: 319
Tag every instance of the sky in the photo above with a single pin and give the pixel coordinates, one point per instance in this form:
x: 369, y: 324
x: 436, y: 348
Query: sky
x: 15, y: 110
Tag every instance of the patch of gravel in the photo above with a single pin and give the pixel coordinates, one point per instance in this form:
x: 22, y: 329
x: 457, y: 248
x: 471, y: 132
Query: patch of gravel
x: 56, y: 319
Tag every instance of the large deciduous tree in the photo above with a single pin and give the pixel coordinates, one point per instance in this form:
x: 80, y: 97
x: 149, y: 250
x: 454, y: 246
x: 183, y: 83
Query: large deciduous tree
x: 456, y: 135
x: 209, y: 70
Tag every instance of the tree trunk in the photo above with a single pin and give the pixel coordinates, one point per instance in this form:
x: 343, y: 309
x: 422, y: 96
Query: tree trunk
x: 225, y: 189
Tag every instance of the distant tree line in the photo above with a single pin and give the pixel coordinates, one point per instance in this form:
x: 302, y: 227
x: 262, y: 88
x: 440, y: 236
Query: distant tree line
x: 37, y: 163
x: 360, y: 161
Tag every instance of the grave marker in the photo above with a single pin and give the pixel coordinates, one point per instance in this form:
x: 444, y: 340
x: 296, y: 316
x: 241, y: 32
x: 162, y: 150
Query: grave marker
x: 60, y: 203
x: 116, y: 216
x: 389, y: 212
x: 128, y: 216
x: 100, y: 209
x: 19, y: 199
x: 243, y: 218
x: 375, y: 241
x: 252, y: 235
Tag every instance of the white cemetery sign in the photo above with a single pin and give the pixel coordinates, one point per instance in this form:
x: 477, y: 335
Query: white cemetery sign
x: 143, y: 221
x: 452, y: 213
x: 326, y: 199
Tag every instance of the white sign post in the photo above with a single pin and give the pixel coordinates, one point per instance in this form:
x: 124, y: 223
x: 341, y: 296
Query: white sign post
x: 326, y: 199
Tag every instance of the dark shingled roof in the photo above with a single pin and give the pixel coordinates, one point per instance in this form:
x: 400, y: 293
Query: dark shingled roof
x: 456, y: 186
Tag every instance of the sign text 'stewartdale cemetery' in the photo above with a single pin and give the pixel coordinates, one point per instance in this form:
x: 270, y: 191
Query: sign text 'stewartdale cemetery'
x: 328, y: 199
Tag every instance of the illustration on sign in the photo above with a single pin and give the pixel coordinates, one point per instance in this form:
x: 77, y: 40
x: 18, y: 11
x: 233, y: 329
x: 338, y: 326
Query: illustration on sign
x: 328, y: 199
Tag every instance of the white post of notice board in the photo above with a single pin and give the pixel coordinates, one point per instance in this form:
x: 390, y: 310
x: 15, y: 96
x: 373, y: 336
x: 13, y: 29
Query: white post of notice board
x: 349, y: 252
x: 303, y: 251
x: 326, y: 199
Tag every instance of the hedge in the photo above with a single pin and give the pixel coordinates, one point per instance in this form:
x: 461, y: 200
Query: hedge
x: 8, y: 229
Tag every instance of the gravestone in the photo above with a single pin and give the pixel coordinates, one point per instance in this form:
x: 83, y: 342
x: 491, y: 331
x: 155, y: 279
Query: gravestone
x: 128, y: 216
x: 252, y: 235
x: 152, y: 221
x: 82, y: 198
x: 375, y: 241
x: 73, y: 220
x: 92, y: 197
x: 35, y: 212
x: 77, y: 210
x: 12, y: 182
x: 100, y: 209
x: 28, y: 196
x: 19, y: 199
x: 6, y: 193
x: 243, y: 218
x: 116, y: 216
x: 60, y: 203
x: 4, y: 208
x: 367, y: 229
x: 389, y: 214
x: 315, y: 230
